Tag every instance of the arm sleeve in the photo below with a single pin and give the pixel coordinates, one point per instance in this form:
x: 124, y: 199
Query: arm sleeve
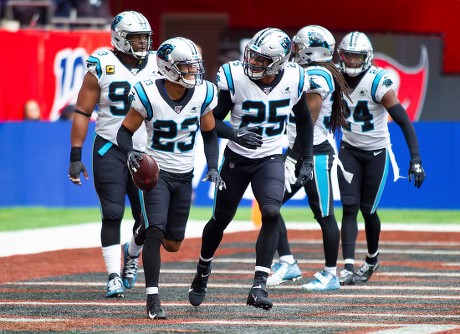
x: 399, y: 115
x: 221, y: 111
x: 224, y: 105
x: 211, y: 148
x: 125, y: 140
x: 304, y: 127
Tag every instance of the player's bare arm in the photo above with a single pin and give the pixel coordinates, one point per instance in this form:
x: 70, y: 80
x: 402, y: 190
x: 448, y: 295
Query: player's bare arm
x: 88, y: 97
x: 208, y: 122
x: 133, y: 120
x: 315, y: 102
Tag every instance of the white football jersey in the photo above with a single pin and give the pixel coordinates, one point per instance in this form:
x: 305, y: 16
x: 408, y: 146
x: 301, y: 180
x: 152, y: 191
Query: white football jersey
x: 172, y: 126
x: 321, y: 82
x: 367, y: 118
x: 115, y: 80
x: 267, y: 109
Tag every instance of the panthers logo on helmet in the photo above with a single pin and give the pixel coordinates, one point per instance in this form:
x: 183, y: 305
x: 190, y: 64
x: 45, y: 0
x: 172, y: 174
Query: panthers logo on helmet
x: 286, y: 44
x: 316, y: 40
x: 165, y: 51
x: 116, y: 21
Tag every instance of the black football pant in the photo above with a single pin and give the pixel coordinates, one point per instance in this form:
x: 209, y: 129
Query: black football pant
x: 113, y: 182
x: 370, y: 170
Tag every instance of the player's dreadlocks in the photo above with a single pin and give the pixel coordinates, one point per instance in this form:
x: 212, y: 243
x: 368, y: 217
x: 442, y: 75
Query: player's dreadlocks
x: 341, y: 88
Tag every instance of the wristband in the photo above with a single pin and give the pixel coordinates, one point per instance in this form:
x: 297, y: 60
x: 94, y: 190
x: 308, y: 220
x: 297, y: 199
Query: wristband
x: 75, y: 154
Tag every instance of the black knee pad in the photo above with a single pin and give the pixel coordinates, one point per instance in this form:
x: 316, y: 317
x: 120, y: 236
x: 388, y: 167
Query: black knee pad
x: 351, y: 210
x: 270, y: 213
x: 154, y: 235
x: 222, y: 219
x: 113, y: 211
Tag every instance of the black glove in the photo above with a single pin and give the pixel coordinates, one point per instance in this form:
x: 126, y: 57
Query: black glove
x: 305, y: 172
x: 213, y: 176
x: 247, y: 137
x: 76, y: 166
x: 75, y: 169
x: 416, y: 171
x: 133, y: 158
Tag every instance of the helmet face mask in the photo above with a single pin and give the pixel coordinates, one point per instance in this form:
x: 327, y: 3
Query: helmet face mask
x: 355, y: 53
x: 131, y: 34
x: 179, y: 61
x: 266, y: 53
x: 313, y: 43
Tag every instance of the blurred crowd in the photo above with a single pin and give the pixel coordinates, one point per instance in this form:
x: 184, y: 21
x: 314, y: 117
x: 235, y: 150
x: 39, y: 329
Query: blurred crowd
x: 37, y: 13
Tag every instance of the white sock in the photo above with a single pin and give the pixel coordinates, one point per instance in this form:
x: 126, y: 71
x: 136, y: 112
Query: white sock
x: 373, y: 255
x: 112, y: 258
x: 134, y: 250
x: 331, y: 270
x: 153, y: 290
x: 288, y: 258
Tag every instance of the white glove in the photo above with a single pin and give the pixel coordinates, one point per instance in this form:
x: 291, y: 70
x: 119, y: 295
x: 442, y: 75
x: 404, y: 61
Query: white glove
x: 289, y: 173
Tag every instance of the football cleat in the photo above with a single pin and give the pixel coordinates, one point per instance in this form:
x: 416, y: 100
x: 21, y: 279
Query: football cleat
x: 258, y: 297
x: 346, y: 277
x: 365, y: 272
x: 154, y: 310
x: 198, y: 289
x: 115, y: 287
x: 129, y: 272
x: 323, y: 281
x: 284, y: 272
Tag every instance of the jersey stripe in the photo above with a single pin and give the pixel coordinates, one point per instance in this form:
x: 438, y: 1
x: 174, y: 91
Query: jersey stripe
x: 229, y: 77
x: 96, y: 61
x: 144, y: 99
x: 209, y: 96
x: 375, y: 84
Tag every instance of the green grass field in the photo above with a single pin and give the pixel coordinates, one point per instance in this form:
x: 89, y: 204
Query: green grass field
x: 20, y: 218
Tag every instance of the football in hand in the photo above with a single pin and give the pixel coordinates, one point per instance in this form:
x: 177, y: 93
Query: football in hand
x: 146, y: 176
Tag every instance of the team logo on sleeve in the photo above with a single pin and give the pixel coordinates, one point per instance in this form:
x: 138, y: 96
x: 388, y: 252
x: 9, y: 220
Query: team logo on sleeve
x: 387, y: 82
x: 110, y: 69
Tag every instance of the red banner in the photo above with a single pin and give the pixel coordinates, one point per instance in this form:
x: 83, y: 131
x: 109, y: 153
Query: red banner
x: 46, y: 66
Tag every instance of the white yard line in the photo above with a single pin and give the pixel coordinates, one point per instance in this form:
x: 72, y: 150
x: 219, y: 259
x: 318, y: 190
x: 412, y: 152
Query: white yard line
x: 88, y: 235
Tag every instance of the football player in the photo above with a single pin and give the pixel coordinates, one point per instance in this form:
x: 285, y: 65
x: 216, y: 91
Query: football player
x: 110, y: 75
x: 259, y: 93
x: 366, y: 152
x: 173, y: 109
x: 313, y: 49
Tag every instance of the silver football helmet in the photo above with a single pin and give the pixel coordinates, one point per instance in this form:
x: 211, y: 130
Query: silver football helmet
x: 356, y: 53
x: 179, y: 60
x: 312, y: 43
x: 124, y: 27
x: 266, y: 53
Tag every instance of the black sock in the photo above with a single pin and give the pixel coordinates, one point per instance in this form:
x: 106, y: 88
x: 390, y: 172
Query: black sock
x: 372, y: 260
x: 350, y: 267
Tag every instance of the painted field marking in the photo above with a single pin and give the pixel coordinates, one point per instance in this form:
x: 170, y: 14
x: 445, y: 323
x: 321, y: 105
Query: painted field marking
x: 405, y: 328
x: 32, y: 319
x: 245, y: 286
